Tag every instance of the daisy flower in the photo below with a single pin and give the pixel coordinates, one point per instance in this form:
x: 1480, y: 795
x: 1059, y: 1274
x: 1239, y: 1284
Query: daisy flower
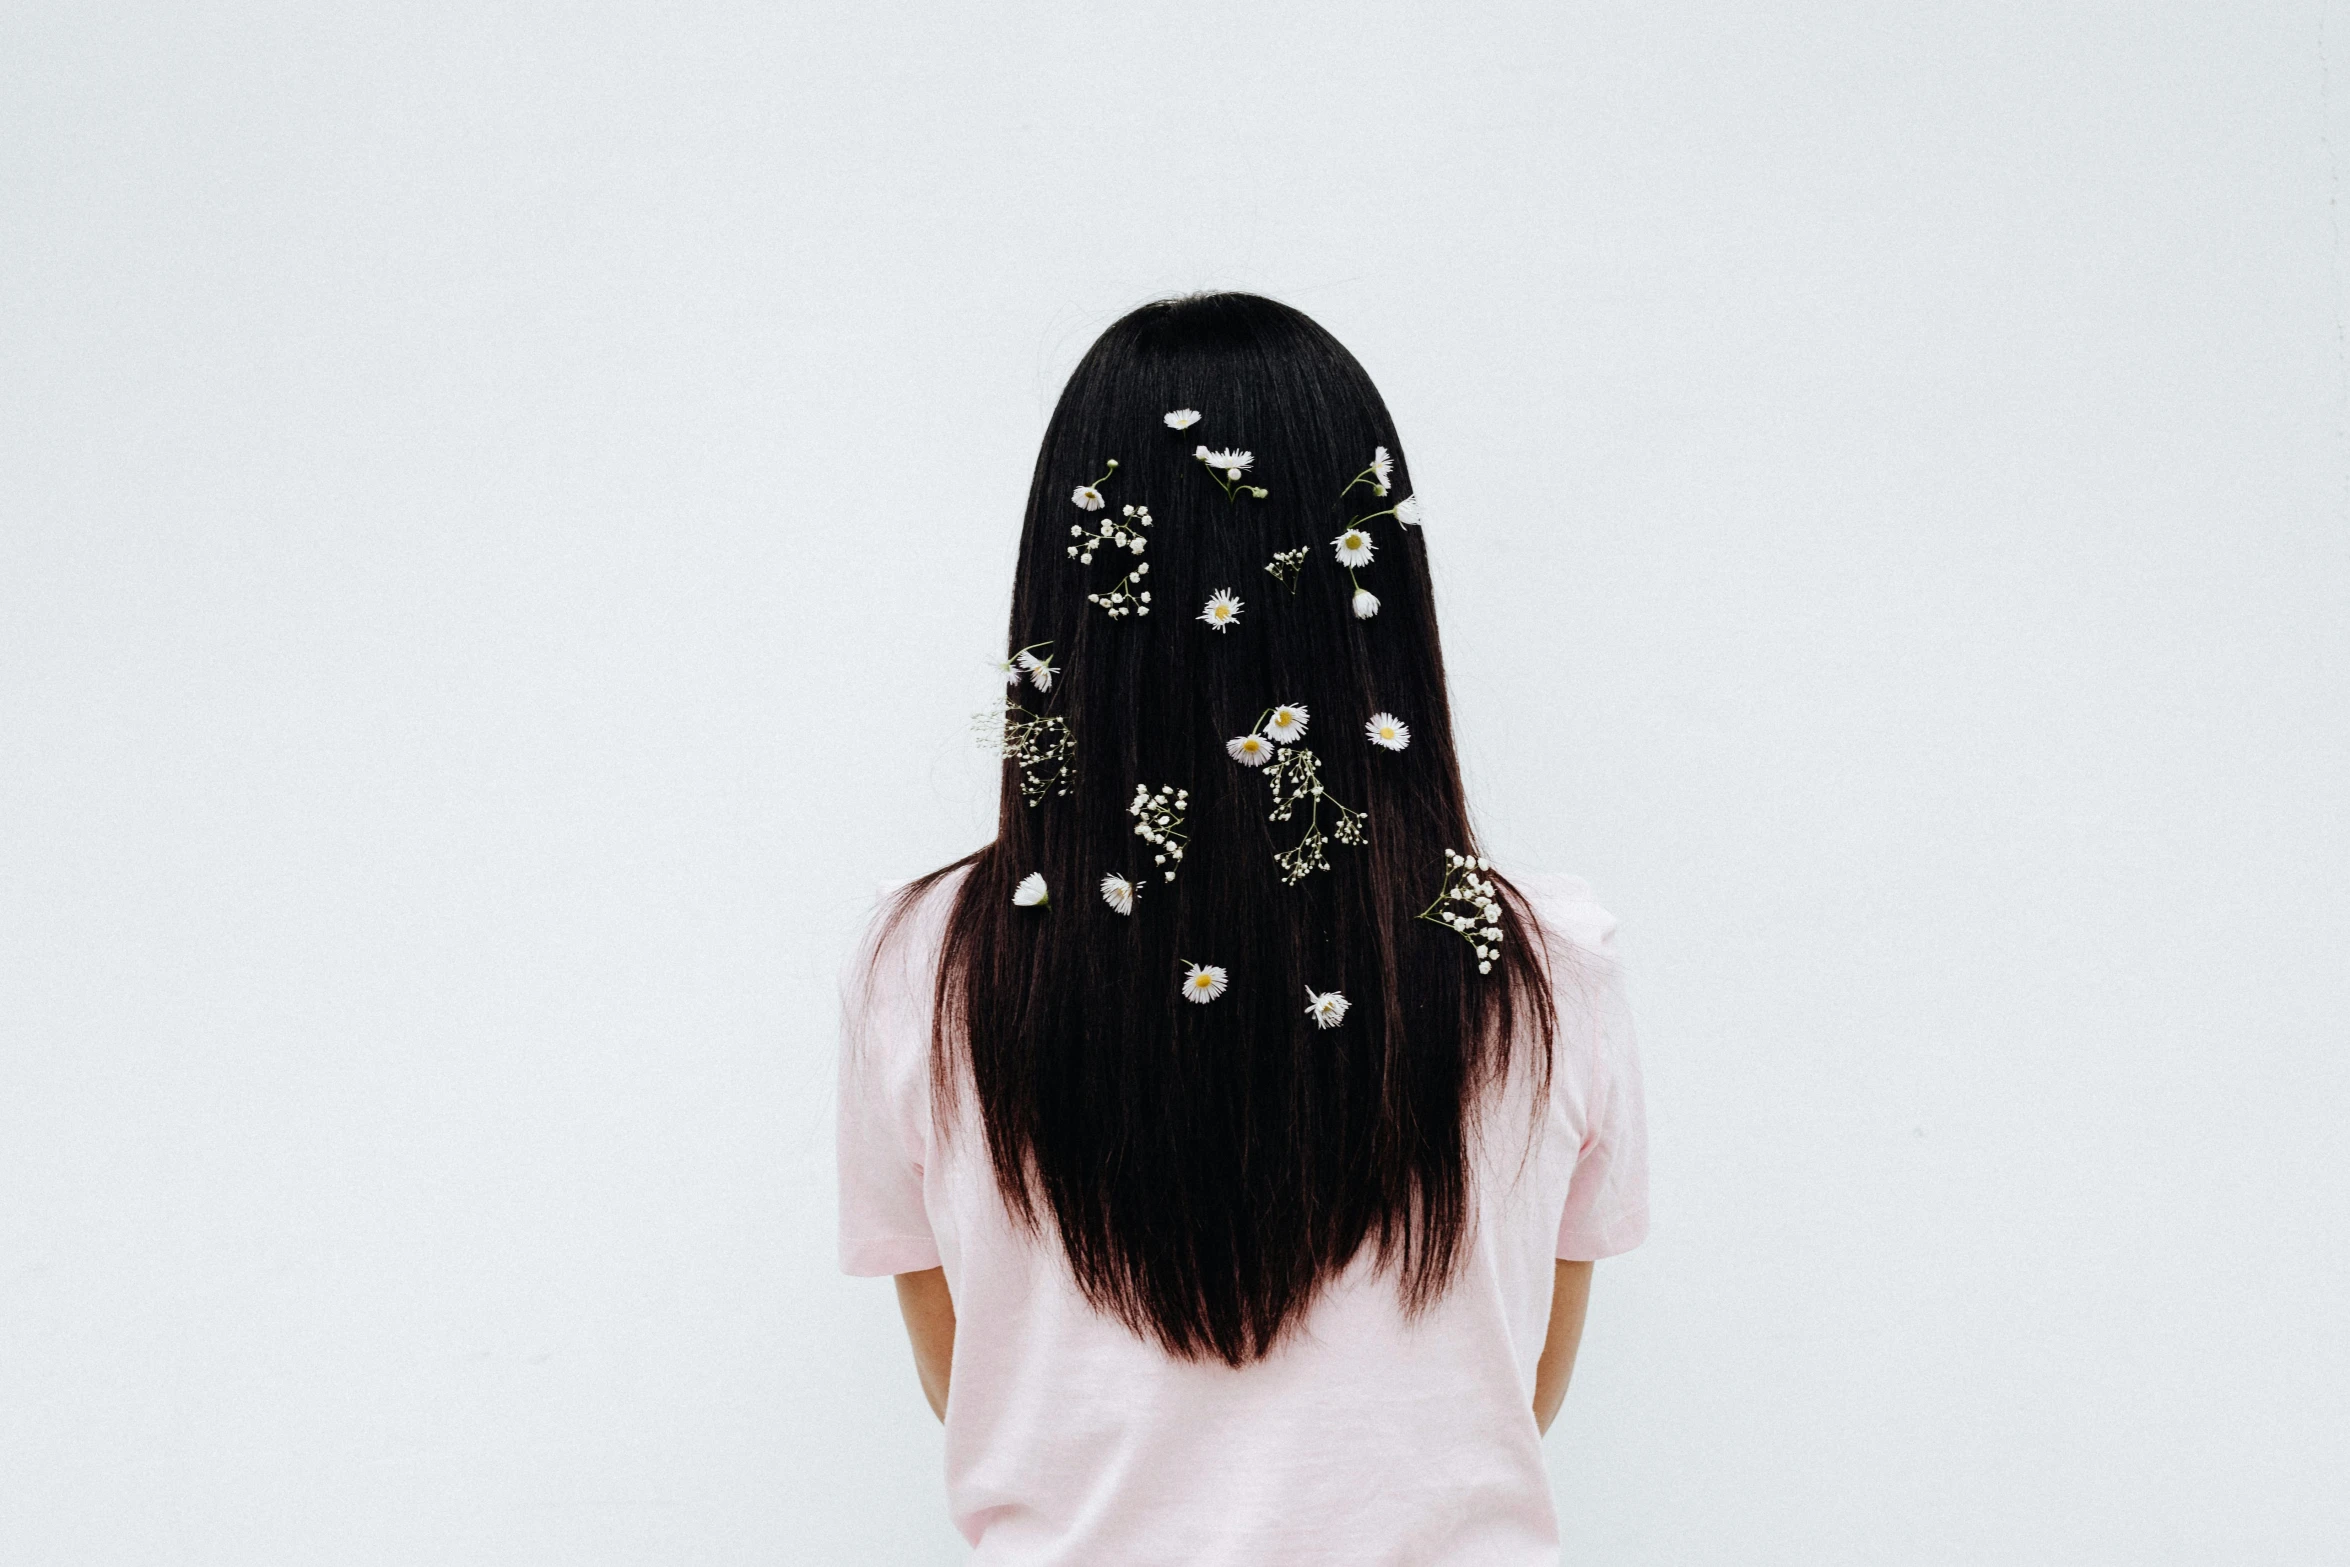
x: 1011, y: 671
x: 1382, y: 467
x: 1249, y: 750
x: 1222, y: 609
x: 1118, y: 893
x: 1385, y: 729
x: 1040, y: 671
x: 1287, y: 723
x: 1088, y: 497
x: 1182, y: 418
x: 1366, y: 603
x: 1203, y: 982
x: 1327, y: 1008
x: 1030, y: 892
x: 1233, y: 463
x: 1353, y: 547
x: 1407, y: 511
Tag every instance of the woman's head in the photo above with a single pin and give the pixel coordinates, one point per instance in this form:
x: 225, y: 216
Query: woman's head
x: 1228, y: 1051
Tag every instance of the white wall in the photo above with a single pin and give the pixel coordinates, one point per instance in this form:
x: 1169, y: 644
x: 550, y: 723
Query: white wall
x: 503, y: 513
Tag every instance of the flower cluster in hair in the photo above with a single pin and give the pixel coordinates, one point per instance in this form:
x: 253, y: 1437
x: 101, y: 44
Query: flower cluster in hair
x: 1227, y: 467
x: 1470, y: 904
x: 1295, y: 774
x: 1041, y: 746
x: 1125, y: 532
x: 1159, y: 821
x: 1026, y: 665
x: 1354, y: 547
x: 1044, y: 750
x: 1288, y: 564
x: 1296, y: 777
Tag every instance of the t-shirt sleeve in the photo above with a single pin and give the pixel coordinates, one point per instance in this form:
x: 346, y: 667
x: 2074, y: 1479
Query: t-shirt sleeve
x: 1606, y: 1210
x: 884, y: 1113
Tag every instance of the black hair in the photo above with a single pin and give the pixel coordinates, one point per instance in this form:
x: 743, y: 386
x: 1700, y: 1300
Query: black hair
x: 1208, y: 1169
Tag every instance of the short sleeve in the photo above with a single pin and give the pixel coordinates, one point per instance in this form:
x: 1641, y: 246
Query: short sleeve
x: 884, y: 1103
x: 1606, y: 1211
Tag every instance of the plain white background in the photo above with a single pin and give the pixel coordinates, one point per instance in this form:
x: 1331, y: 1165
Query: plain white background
x: 504, y: 515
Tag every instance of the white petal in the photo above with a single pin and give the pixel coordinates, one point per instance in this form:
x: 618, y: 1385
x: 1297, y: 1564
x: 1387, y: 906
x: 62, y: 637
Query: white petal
x: 1031, y: 891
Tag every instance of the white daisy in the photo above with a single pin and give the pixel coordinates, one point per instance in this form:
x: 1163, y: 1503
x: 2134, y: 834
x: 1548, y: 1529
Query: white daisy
x: 1233, y: 463
x: 1203, y: 982
x: 1222, y: 609
x: 1382, y: 466
x: 1118, y: 893
x: 1327, y: 1008
x: 1407, y: 511
x: 1287, y: 723
x: 1031, y: 891
x: 1249, y: 750
x: 1040, y: 671
x: 1385, y: 729
x: 1353, y: 547
x: 1366, y: 603
x: 1011, y: 671
x: 1182, y: 418
x: 1086, y: 498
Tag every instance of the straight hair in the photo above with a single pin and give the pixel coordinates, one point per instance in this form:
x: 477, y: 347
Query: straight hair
x: 1208, y: 1170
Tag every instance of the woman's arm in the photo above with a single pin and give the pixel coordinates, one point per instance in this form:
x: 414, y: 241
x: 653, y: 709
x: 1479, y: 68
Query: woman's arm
x: 930, y: 1322
x: 1570, y: 1293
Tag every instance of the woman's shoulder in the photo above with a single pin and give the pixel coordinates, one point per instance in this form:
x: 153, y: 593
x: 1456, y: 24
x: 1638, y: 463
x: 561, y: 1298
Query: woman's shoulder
x: 905, y: 925
x: 1570, y: 912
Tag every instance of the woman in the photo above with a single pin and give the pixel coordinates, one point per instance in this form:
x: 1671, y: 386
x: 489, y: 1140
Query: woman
x: 1240, y: 1140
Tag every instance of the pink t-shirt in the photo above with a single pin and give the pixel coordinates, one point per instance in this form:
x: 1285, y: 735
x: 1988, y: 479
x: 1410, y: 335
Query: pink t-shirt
x: 1365, y: 1439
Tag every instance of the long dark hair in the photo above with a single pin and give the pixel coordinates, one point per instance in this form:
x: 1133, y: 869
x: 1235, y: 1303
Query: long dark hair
x: 1208, y: 1169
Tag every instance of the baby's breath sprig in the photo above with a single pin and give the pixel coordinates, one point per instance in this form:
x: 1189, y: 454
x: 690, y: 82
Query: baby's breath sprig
x: 1226, y: 467
x: 1296, y: 777
x: 1477, y: 917
x: 1124, y: 532
x: 1289, y: 564
x: 1126, y: 596
x: 1041, y: 747
x: 1159, y: 821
